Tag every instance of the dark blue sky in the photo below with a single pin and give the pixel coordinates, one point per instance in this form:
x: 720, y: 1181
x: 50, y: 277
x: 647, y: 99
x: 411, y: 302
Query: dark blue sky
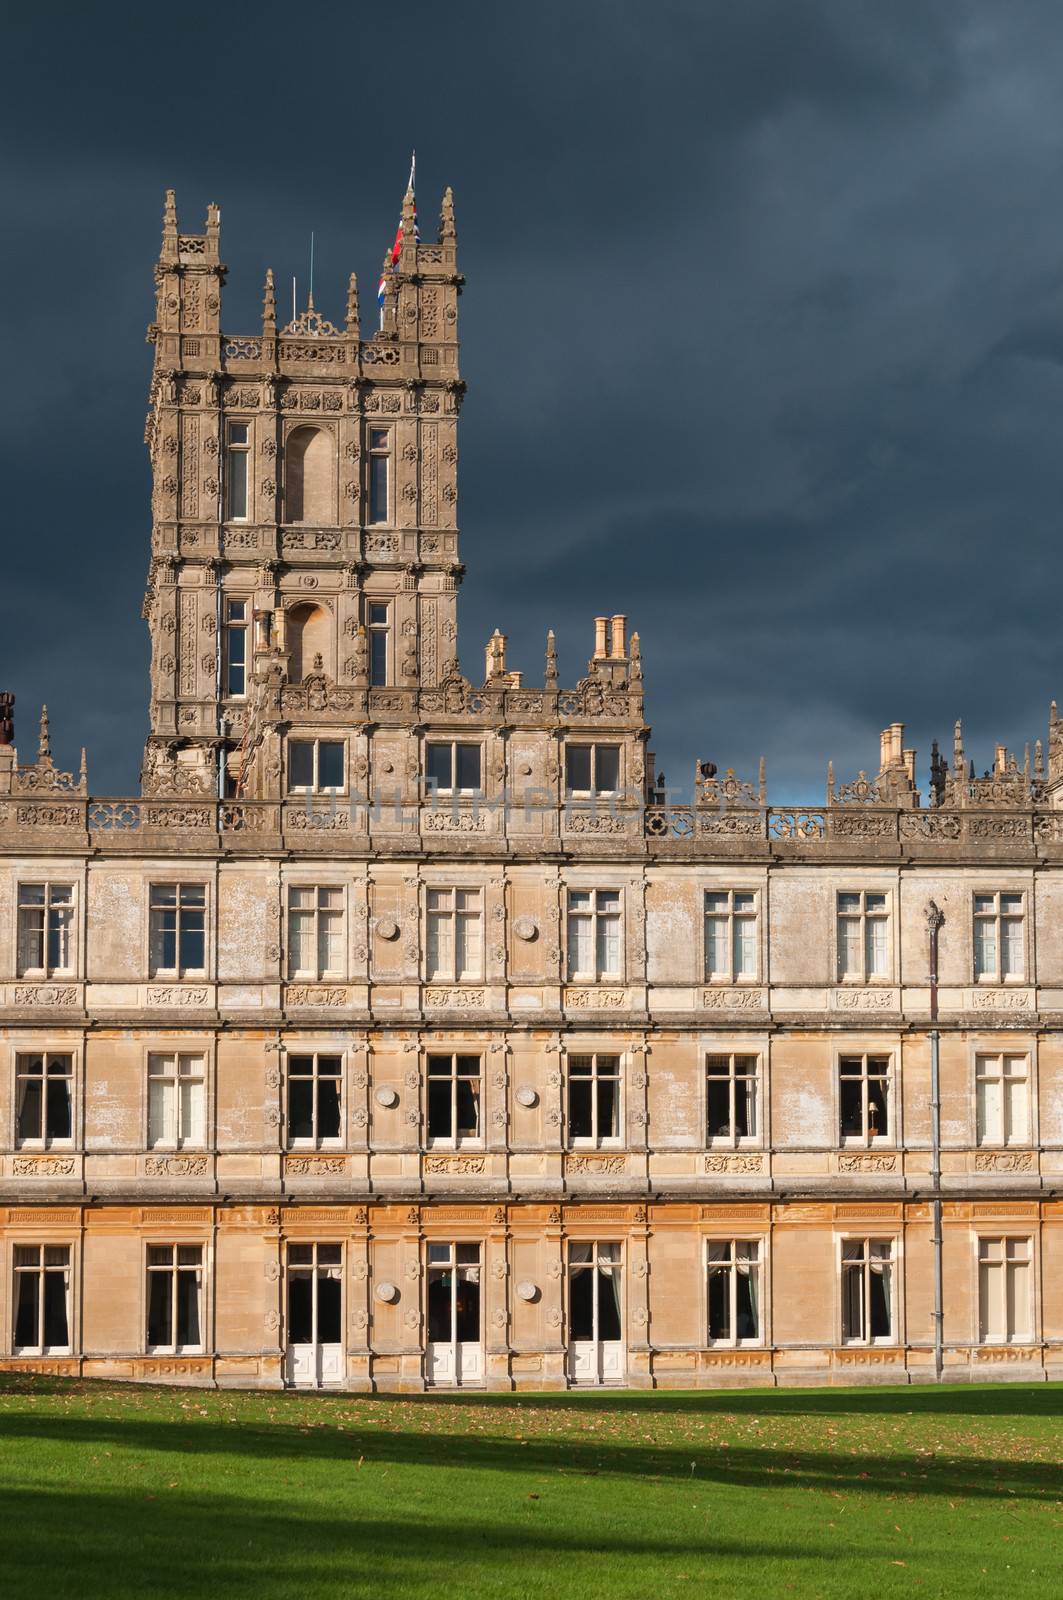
x: 763, y: 334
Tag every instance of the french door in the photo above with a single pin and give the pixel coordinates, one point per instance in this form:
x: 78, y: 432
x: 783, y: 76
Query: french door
x: 455, y: 1347
x: 595, y: 1298
x: 315, y: 1315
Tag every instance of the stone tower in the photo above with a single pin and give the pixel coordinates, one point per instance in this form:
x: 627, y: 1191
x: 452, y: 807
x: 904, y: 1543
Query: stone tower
x: 304, y: 540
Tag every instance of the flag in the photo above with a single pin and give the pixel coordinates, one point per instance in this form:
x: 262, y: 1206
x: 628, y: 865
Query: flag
x: 396, y: 248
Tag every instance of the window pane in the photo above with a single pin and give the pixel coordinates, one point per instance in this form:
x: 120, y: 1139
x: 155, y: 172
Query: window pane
x: 608, y: 1108
x: 27, y: 1309
x: 300, y: 1307
x: 716, y: 945
x: 744, y: 947
x: 378, y: 488
x: 30, y: 1102
x: 56, y: 1329
x: 1011, y: 963
x: 746, y: 1300
x: 468, y: 1098
x: 300, y: 764
x: 188, y: 1307
x: 328, y: 1108
x: 719, y: 1107
x: 329, y: 1302
x: 330, y: 764
x: 378, y: 438
x: 192, y: 941
x: 301, y: 1109
x: 578, y: 766
x: 580, y: 1123
x: 438, y: 765
x: 160, y: 1307
x: 607, y: 764
x: 852, y: 1117
x: 238, y: 483
x: 440, y: 1124
x: 238, y: 433
x: 468, y: 766
x: 875, y: 945
x: 985, y: 949
x: 378, y: 657
x: 58, y: 1108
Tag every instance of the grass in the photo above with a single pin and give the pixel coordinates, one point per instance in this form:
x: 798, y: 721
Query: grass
x: 110, y: 1492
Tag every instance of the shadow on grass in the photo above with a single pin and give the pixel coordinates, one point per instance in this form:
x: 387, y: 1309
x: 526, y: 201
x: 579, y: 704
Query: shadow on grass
x: 107, y: 1546
x: 306, y: 1442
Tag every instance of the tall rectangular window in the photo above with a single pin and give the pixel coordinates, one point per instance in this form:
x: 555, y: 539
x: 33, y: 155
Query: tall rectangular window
x: 237, y: 454
x: 1002, y: 1092
x: 867, y: 1291
x: 730, y: 935
x: 863, y: 928
x: 730, y: 1099
x: 454, y: 942
x: 177, y: 916
x: 1005, y: 1290
x: 592, y: 768
x: 379, y: 473
x: 379, y: 630
x: 315, y: 1099
x: 452, y: 767
x: 236, y: 647
x: 41, y: 1299
x: 593, y: 1099
x: 315, y: 933
x: 864, y: 1098
x: 175, y: 1297
x: 453, y: 1098
x: 45, y: 929
x: 734, y: 1291
x: 177, y: 1101
x: 998, y: 937
x: 594, y: 934
x: 315, y: 766
x: 43, y: 1099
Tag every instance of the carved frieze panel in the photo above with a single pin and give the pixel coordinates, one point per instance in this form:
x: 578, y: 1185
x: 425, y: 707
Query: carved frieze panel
x: 455, y: 999
x: 867, y: 1161
x: 735, y: 1163
x: 176, y: 1166
x: 596, y: 999
x: 1005, y: 1161
x: 456, y: 1165
x: 734, y: 999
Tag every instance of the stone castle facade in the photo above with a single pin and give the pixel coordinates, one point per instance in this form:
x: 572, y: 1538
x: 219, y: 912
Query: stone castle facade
x: 403, y: 1033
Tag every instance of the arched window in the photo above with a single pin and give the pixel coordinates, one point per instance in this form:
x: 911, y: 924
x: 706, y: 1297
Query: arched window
x: 309, y: 640
x: 309, y: 477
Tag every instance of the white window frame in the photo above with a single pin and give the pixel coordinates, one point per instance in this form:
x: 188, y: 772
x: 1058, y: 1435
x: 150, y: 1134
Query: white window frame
x: 596, y: 1140
x: 864, y: 919
x: 455, y: 920
x: 234, y: 625
x: 732, y: 1267
x: 45, y: 1141
x: 315, y: 1140
x: 374, y: 452
x: 234, y: 448
x: 25, y: 969
x: 155, y: 913
x: 998, y: 917
x: 41, y: 1270
x: 316, y: 740
x: 454, y: 1140
x: 593, y: 745
x: 177, y: 1068
x: 984, y: 1241
x: 175, y: 1349
x: 999, y: 1066
x: 865, y: 1339
x: 600, y: 919
x: 733, y: 1140
x: 866, y: 1140
x: 317, y: 973
x: 734, y: 918
x: 453, y: 787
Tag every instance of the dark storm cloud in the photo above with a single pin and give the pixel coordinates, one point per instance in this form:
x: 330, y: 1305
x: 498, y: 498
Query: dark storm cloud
x: 763, y: 333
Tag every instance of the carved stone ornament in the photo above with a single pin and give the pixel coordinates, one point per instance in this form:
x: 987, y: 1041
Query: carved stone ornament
x: 387, y: 1293
x: 525, y: 928
x: 526, y: 1096
x: 526, y: 1290
x: 386, y: 928
x: 386, y: 1097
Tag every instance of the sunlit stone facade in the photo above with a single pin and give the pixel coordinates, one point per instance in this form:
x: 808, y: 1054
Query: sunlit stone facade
x: 404, y: 1033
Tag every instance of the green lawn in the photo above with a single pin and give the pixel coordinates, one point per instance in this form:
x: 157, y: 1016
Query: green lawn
x: 108, y: 1492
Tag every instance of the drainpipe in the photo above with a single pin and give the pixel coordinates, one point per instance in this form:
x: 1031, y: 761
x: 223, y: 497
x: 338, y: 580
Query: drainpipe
x: 934, y: 919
